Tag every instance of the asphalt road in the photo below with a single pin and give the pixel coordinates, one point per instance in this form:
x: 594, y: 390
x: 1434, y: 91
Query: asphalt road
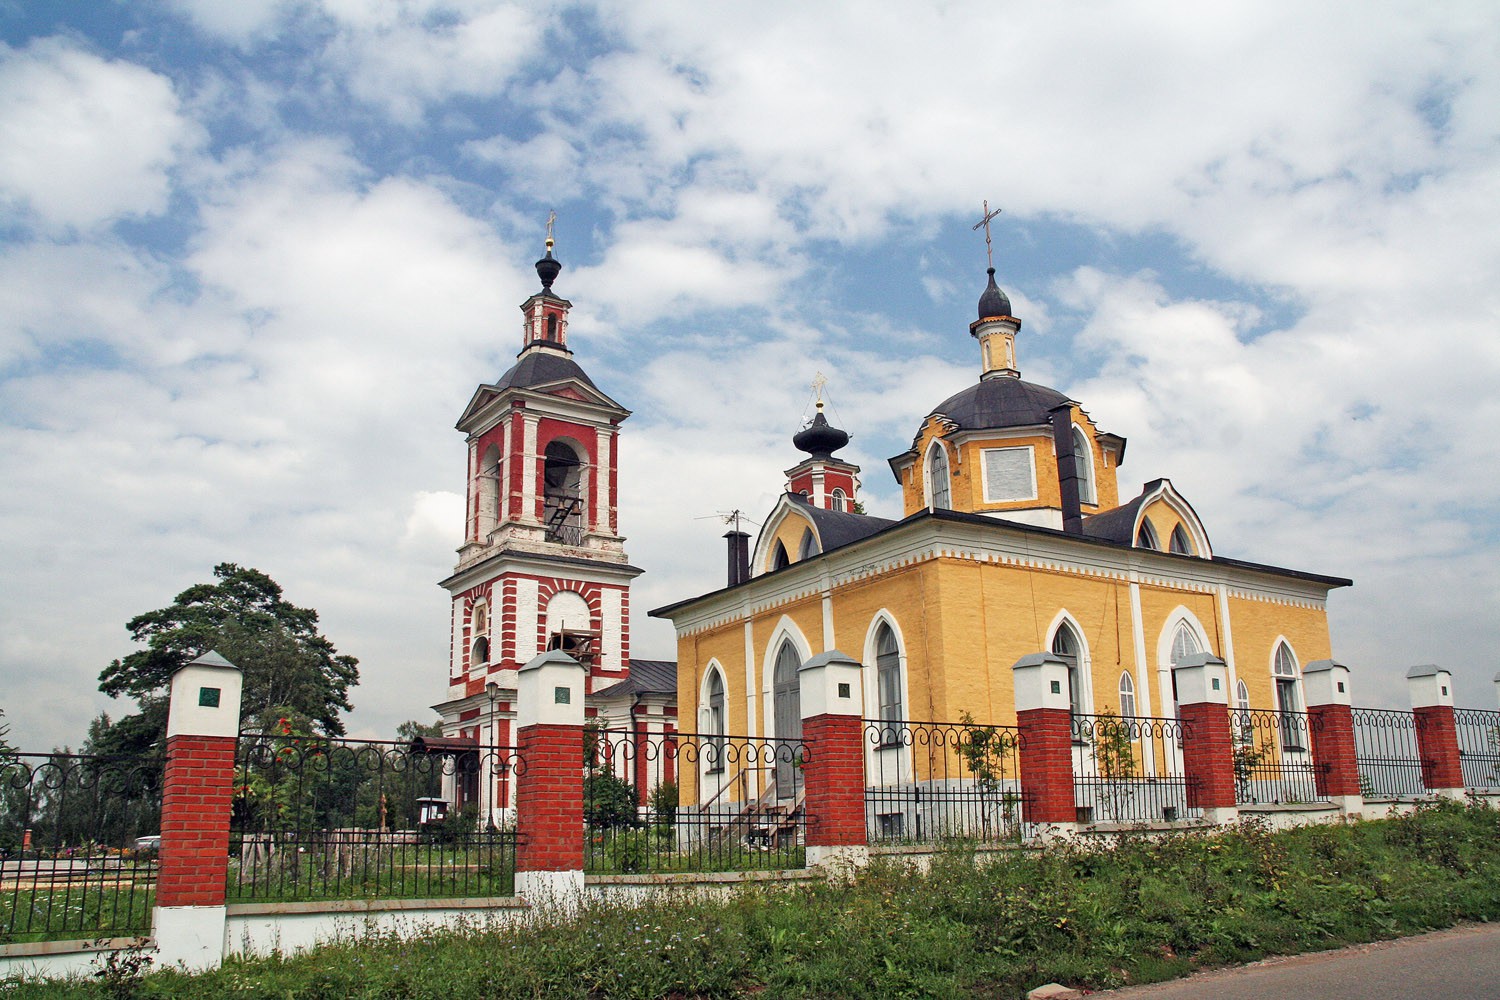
x: 1458, y: 964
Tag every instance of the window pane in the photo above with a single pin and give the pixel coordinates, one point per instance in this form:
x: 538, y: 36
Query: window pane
x: 1008, y: 474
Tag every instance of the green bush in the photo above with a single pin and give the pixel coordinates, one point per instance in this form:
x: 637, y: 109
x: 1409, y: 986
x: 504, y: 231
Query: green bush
x: 608, y: 801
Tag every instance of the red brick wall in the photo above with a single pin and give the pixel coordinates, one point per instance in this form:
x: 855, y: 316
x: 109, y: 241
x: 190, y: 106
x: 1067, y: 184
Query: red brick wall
x: 834, y: 779
x: 1437, y: 740
x: 196, y: 792
x: 549, y: 799
x: 1047, y: 765
x: 1207, y: 755
x: 1333, y: 749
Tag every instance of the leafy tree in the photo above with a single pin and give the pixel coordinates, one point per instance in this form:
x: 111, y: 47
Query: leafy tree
x: 290, y: 669
x: 5, y: 748
x: 411, y: 729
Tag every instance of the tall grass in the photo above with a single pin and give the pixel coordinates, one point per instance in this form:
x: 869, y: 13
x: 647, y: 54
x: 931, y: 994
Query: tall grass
x: 1150, y: 909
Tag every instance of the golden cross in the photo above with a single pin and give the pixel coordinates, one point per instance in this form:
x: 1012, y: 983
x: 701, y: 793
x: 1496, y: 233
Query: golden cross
x: 818, y: 383
x: 551, y: 218
x: 989, y: 254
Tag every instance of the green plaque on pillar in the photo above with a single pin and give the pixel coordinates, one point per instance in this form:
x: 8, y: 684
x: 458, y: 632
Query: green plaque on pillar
x: 208, y: 697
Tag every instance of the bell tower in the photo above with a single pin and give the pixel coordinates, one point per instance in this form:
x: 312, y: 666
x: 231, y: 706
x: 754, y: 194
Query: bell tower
x: 542, y: 565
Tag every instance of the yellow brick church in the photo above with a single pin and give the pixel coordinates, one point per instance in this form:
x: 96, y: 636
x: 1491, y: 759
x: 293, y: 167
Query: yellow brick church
x: 1013, y: 541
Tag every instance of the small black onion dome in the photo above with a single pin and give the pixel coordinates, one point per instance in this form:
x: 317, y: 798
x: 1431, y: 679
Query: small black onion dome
x: 820, y: 439
x: 547, y: 269
x: 993, y: 302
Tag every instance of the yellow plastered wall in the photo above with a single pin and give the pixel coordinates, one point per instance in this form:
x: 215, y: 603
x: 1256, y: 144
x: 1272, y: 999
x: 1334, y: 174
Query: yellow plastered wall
x: 1257, y: 627
x: 967, y: 474
x: 1164, y: 520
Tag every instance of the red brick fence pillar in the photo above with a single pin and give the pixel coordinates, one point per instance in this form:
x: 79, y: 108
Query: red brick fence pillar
x: 1431, y: 689
x: 549, y: 780
x: 1044, y: 719
x: 1326, y: 684
x: 203, y: 724
x: 1207, y: 743
x: 834, y: 772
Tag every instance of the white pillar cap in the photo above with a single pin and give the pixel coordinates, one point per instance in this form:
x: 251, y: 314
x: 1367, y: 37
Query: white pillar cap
x: 1429, y: 685
x: 1326, y: 682
x: 1202, y: 678
x: 549, y: 691
x: 1041, y: 681
x: 829, y: 684
x: 205, y: 698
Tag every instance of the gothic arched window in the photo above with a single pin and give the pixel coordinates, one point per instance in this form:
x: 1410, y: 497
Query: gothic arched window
x: 888, y: 674
x: 939, y: 495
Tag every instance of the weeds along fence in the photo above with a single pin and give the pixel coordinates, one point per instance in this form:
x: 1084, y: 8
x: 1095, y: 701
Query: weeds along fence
x: 1478, y: 734
x: 70, y: 866
x: 746, y: 812
x: 929, y: 781
x: 1129, y: 769
x: 1273, y: 758
x: 1387, y: 752
x: 316, y: 818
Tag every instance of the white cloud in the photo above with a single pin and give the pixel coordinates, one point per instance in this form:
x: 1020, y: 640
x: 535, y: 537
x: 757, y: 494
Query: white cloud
x: 86, y: 140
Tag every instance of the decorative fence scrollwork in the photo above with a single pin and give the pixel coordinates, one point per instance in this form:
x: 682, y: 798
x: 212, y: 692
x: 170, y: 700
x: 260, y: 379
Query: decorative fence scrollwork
x: 1478, y: 733
x: 1128, y: 769
x: 930, y: 781
x: 746, y: 806
x: 1388, y: 753
x: 316, y: 818
x: 77, y: 844
x: 1273, y: 758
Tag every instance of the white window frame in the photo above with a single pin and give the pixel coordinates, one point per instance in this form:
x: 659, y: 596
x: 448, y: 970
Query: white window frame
x: 984, y: 465
x: 934, y: 449
x: 1083, y: 458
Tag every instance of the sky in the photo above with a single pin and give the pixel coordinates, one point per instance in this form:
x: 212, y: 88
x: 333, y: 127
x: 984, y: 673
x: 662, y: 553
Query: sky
x: 255, y: 257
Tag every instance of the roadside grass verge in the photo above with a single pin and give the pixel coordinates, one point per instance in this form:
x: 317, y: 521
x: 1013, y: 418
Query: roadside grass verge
x: 1148, y: 910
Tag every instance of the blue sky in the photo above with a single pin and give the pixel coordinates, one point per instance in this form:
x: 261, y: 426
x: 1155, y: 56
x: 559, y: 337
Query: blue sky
x: 255, y: 257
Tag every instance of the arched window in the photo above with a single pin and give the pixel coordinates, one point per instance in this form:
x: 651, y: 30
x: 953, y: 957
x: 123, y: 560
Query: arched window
x: 716, y: 708
x: 552, y: 327
x: 1067, y: 646
x: 1145, y: 537
x: 1180, y: 543
x: 481, y: 651
x: 809, y: 546
x: 939, y: 496
x: 838, y: 500
x: 1288, y: 702
x: 489, y: 492
x: 562, y: 488
x: 779, y: 558
x: 1240, y: 727
x: 1127, y: 697
x: 888, y: 675
x: 1241, y: 697
x: 1184, y: 644
x: 786, y: 707
x: 1083, y: 461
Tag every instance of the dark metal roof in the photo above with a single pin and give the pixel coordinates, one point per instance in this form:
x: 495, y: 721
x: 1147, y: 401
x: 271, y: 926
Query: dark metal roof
x: 1118, y: 523
x: 444, y: 744
x: 646, y: 677
x: 837, y: 528
x: 1000, y: 402
x: 820, y: 439
x: 542, y: 368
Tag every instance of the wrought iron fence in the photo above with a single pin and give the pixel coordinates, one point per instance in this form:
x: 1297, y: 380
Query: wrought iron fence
x: 931, y: 781
x: 1273, y: 760
x: 77, y: 845
x: 1478, y: 733
x: 1128, y: 770
x: 316, y: 818
x: 1388, y: 753
x: 745, y: 806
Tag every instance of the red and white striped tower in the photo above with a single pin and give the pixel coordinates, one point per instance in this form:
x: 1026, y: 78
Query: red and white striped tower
x: 542, y: 565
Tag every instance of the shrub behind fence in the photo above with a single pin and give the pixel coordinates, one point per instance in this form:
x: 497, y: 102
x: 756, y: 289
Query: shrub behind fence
x: 70, y: 865
x: 748, y: 811
x: 317, y: 818
x: 933, y: 781
x: 1273, y: 760
x: 1128, y: 769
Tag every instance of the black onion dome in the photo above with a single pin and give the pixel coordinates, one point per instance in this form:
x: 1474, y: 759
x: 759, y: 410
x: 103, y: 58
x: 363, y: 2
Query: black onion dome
x: 1001, y: 402
x: 993, y: 302
x: 547, y: 269
x: 820, y: 439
